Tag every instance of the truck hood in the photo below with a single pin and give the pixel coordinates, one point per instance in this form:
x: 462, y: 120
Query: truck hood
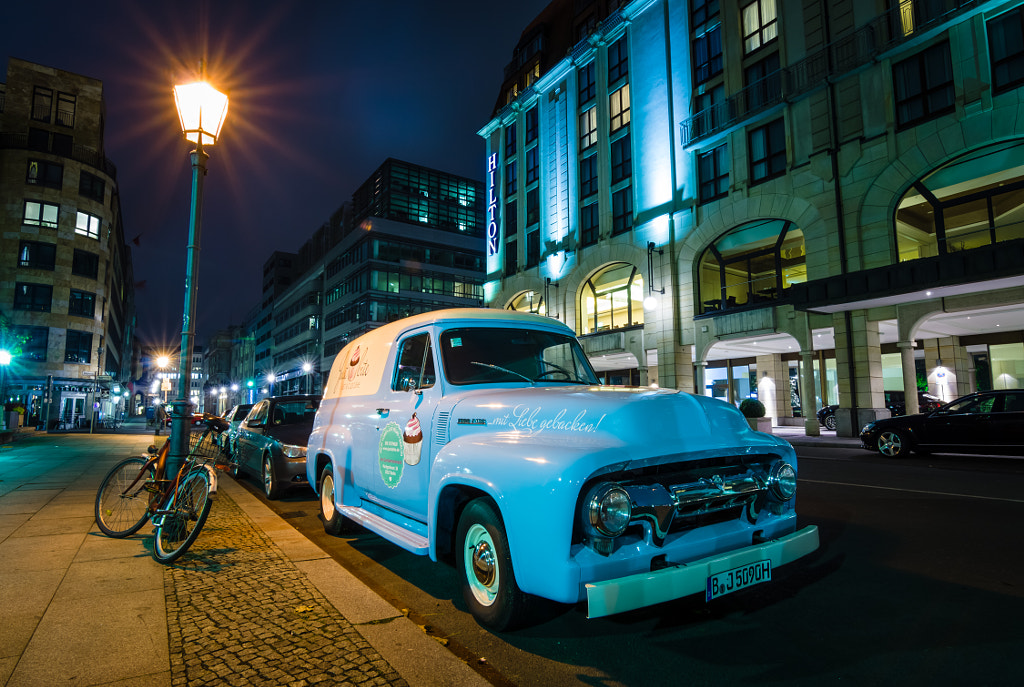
x: 649, y: 422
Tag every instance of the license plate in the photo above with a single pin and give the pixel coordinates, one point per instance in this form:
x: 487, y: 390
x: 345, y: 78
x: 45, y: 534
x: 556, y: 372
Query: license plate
x: 739, y: 578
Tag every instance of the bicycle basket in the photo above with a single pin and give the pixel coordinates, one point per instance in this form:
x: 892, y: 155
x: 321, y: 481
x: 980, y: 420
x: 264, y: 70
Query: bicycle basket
x: 200, y: 445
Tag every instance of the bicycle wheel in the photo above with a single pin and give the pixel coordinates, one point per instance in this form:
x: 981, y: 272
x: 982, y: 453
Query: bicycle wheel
x: 179, y: 527
x: 121, y: 511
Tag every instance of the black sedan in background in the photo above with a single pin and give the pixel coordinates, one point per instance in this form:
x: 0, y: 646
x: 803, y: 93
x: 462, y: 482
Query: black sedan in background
x: 990, y: 422
x: 894, y: 401
x: 271, y: 441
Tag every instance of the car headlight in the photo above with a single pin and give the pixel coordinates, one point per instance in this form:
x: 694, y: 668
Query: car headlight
x: 292, y: 451
x: 782, y: 481
x: 608, y: 509
x: 867, y: 428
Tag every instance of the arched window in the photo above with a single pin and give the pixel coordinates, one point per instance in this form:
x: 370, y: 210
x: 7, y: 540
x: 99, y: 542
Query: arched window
x: 612, y: 299
x: 751, y: 265
x: 529, y: 301
x: 973, y: 201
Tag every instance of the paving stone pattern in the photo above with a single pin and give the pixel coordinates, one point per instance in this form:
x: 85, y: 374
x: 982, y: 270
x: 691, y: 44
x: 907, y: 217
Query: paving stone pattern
x: 240, y: 613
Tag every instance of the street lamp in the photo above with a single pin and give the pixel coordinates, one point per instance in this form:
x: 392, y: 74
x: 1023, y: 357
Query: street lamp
x: 271, y: 378
x: 306, y: 369
x: 201, y: 109
x: 165, y: 384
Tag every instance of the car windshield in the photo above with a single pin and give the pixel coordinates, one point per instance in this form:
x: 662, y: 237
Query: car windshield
x: 239, y: 412
x: 294, y: 412
x: 483, y: 355
x: 970, y: 404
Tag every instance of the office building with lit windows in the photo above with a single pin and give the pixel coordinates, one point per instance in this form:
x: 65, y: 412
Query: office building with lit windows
x: 410, y: 240
x: 413, y: 243
x: 67, y: 304
x: 811, y: 203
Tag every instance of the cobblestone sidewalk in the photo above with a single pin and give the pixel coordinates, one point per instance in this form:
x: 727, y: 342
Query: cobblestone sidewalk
x: 240, y: 613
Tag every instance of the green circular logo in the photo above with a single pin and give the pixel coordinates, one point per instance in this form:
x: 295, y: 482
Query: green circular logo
x: 390, y: 456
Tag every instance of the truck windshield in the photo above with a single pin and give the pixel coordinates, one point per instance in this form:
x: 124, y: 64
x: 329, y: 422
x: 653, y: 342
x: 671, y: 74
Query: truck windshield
x: 482, y: 355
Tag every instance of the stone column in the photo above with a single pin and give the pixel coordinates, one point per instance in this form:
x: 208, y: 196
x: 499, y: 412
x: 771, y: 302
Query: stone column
x: 808, y: 402
x: 858, y: 353
x: 675, y: 367
x: 773, y: 386
x: 699, y: 376
x: 947, y: 362
x: 909, y: 376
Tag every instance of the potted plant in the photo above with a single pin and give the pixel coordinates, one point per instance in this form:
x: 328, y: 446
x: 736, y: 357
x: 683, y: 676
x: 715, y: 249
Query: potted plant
x: 753, y: 410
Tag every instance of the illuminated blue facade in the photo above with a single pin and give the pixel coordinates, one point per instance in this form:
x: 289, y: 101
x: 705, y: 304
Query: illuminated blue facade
x: 753, y: 198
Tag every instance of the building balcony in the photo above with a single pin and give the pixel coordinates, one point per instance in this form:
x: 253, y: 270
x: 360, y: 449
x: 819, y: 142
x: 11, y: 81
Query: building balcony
x: 909, y: 19
x: 79, y: 153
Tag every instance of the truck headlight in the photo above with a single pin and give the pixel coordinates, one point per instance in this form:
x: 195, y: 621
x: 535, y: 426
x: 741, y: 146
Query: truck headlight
x: 293, y: 451
x: 608, y: 509
x: 782, y: 481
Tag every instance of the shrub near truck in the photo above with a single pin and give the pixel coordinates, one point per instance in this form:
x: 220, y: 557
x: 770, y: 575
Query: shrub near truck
x: 482, y: 438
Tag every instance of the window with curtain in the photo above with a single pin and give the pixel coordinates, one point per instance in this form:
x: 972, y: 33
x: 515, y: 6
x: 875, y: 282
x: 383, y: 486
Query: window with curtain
x: 760, y: 25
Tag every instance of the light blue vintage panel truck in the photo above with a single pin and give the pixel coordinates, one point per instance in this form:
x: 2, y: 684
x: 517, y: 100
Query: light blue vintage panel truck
x: 482, y: 438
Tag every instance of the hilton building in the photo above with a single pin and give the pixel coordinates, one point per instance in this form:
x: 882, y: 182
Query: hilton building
x: 809, y: 202
x: 67, y: 304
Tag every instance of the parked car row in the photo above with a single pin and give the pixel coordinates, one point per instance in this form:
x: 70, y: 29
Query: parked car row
x: 895, y: 401
x: 268, y: 440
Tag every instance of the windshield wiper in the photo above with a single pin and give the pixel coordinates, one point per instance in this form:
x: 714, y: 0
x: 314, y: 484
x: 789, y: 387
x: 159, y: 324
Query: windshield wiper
x: 570, y: 378
x: 503, y: 369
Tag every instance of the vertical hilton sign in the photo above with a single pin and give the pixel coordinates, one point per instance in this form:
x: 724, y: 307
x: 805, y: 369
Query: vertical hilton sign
x: 492, y: 205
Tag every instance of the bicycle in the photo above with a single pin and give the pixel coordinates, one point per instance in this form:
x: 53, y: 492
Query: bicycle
x: 136, y: 489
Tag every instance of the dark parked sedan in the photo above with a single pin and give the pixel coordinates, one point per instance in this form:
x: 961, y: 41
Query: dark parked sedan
x: 894, y: 401
x: 985, y: 422
x: 233, y: 417
x: 271, y: 441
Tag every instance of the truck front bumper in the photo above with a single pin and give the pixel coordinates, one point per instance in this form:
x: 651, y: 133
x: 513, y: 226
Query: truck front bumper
x: 646, y: 589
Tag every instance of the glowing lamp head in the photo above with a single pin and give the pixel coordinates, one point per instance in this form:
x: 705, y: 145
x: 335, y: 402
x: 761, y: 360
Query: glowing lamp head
x: 5, y: 357
x: 163, y: 361
x: 202, y: 110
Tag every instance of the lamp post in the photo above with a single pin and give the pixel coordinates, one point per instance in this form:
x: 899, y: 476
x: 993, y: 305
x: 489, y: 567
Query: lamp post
x: 306, y: 369
x: 201, y: 109
x: 5, y: 361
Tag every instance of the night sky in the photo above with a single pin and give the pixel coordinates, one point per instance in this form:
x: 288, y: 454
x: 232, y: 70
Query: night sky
x: 321, y: 94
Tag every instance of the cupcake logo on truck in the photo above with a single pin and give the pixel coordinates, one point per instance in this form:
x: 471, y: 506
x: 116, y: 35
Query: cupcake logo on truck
x: 413, y: 441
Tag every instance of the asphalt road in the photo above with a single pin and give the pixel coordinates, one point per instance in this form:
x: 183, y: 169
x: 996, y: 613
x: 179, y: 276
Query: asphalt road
x: 918, y: 582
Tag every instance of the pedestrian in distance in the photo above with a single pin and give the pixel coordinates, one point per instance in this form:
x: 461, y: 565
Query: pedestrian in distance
x: 161, y: 417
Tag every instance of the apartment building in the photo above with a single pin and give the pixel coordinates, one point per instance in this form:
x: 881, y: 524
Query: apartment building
x: 67, y: 303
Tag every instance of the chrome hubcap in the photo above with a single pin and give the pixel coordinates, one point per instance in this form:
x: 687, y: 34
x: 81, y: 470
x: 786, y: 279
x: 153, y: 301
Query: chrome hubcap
x: 483, y: 563
x: 327, y: 497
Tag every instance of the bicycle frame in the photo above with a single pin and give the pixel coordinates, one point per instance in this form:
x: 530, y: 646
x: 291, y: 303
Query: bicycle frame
x: 158, y: 462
